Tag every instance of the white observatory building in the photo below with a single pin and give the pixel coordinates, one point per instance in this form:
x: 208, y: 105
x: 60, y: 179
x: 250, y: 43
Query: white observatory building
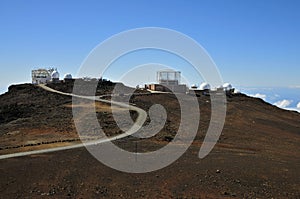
x: 204, y: 86
x: 227, y: 87
x: 168, y: 77
x: 168, y: 80
x: 194, y: 87
x: 203, y: 89
x: 43, y: 76
x: 40, y: 76
x: 55, y: 76
x: 68, y: 76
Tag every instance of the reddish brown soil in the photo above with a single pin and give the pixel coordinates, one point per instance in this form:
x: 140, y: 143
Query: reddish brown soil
x: 257, y: 155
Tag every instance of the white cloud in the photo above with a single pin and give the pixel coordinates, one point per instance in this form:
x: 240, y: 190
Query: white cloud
x: 293, y: 109
x: 258, y: 95
x: 283, y: 103
x: 295, y: 86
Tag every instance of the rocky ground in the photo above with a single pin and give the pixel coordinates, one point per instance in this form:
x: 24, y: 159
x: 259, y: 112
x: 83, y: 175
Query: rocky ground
x: 257, y: 155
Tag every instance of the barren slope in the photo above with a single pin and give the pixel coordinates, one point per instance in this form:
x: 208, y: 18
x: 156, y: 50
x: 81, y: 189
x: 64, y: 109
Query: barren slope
x: 257, y: 156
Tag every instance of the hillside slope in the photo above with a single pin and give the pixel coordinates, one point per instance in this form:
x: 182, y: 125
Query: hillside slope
x: 257, y: 155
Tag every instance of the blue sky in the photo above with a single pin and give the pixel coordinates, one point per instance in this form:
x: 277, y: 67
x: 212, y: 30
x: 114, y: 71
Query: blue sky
x: 255, y: 43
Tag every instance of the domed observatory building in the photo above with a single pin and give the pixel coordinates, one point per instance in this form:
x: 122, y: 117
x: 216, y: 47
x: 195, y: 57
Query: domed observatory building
x: 55, y: 76
x: 227, y: 87
x: 68, y: 77
x: 204, y: 88
x: 194, y: 87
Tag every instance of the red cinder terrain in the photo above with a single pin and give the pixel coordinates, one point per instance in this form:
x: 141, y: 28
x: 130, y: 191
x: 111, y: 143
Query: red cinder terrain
x: 257, y: 155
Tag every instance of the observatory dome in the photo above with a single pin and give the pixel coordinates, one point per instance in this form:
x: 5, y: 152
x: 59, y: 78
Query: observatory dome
x: 68, y: 76
x: 204, y: 86
x: 55, y: 75
x: 227, y: 86
x: 194, y: 86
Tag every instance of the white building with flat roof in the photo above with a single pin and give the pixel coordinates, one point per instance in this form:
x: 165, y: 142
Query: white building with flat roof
x: 42, y: 75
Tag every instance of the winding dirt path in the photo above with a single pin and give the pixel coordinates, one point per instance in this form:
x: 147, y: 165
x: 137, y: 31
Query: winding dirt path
x: 142, y: 115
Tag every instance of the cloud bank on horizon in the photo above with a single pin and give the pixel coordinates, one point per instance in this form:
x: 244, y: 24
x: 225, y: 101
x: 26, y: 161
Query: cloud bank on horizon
x: 284, y: 98
x: 258, y: 95
x: 283, y: 103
